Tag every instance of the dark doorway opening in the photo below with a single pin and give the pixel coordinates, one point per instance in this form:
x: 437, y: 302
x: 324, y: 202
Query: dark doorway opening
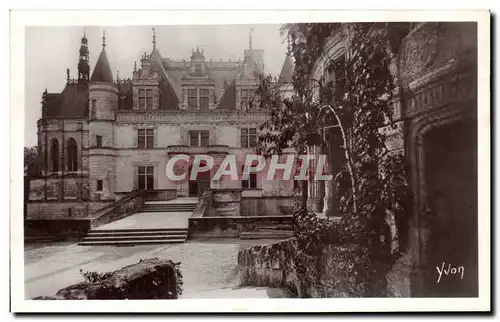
x: 451, y: 176
x: 200, y: 183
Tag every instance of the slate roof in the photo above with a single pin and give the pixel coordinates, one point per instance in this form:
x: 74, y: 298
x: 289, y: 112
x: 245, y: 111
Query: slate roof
x: 228, y: 99
x: 102, y: 70
x: 71, y: 103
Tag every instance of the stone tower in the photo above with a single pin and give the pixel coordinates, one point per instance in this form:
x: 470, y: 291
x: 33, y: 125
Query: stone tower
x: 103, y: 101
x: 83, y: 65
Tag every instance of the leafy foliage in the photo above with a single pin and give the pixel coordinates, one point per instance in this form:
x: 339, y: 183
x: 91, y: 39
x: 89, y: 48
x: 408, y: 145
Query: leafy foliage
x: 30, y: 154
x: 94, y: 277
x: 349, y: 112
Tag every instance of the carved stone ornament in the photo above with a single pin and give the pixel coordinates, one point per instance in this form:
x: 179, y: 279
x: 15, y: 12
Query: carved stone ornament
x: 420, y: 49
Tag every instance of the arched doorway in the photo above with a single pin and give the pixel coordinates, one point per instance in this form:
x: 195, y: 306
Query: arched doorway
x: 200, y: 183
x: 451, y: 183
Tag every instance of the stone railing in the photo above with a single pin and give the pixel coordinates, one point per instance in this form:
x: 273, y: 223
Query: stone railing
x: 265, y: 206
x: 193, y: 150
x: 126, y: 206
x: 217, y: 226
x: 204, y: 206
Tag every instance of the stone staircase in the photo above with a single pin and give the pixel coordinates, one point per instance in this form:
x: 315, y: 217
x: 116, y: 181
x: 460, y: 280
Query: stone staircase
x: 127, y: 237
x: 156, y: 222
x: 167, y: 207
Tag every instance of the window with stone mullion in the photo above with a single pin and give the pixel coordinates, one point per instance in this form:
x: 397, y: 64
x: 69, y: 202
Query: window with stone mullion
x: 204, y: 97
x: 149, y: 99
x: 145, y: 138
x: 142, y: 99
x: 248, y: 137
x: 145, y: 177
x: 192, y: 98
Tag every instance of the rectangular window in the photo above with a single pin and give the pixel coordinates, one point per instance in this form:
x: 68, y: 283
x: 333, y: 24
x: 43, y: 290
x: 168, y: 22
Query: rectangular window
x: 204, y: 136
x: 145, y: 138
x: 248, y: 138
x: 192, y: 98
x: 142, y: 99
x: 149, y: 99
x: 93, y: 109
x: 98, y: 141
x: 99, y: 185
x: 247, y: 98
x: 197, y: 69
x: 199, y: 138
x: 145, y: 177
x: 193, y: 138
x: 204, y: 98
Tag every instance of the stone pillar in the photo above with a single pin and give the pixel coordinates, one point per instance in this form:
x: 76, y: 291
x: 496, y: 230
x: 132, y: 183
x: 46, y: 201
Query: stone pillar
x: 315, y: 187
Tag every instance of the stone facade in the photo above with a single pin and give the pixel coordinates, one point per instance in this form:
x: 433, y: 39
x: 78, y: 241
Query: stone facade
x: 125, y: 127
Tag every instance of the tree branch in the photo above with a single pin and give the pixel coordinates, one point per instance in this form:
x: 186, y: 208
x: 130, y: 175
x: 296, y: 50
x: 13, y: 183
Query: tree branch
x: 348, y: 159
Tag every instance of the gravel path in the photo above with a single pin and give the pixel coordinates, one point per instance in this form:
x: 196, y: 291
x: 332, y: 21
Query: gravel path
x: 209, y: 266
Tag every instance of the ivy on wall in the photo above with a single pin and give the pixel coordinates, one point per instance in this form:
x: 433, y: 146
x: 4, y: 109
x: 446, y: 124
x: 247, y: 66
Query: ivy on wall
x: 348, y: 112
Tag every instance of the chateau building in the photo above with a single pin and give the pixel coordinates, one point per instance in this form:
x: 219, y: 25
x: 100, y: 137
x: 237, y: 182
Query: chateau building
x: 103, y: 137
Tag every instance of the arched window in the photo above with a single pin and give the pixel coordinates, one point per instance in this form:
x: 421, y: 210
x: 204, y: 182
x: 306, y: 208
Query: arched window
x: 54, y: 155
x: 72, y: 156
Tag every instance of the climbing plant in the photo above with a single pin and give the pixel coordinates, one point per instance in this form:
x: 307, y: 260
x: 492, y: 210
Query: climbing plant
x: 346, y: 112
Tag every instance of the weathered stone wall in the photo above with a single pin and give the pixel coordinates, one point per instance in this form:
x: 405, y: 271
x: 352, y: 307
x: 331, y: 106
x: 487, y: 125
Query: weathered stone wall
x: 149, y: 279
x: 62, y: 210
x: 57, y: 228
x: 265, y: 206
x: 340, y: 271
x: 231, y: 227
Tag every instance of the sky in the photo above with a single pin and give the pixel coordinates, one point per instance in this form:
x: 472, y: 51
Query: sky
x: 51, y: 50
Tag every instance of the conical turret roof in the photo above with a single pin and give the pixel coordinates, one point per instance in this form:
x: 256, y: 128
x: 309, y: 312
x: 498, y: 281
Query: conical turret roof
x: 102, y: 70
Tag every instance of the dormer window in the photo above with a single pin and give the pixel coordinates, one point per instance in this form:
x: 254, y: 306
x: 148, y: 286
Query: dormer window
x: 247, y: 98
x: 197, y: 69
x: 204, y: 98
x: 198, y: 98
x: 145, y: 99
x: 192, y: 98
x: 149, y: 99
x: 142, y: 99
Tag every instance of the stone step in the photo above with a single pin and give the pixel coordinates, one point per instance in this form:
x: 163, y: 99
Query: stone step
x: 132, y: 238
x: 278, y: 230
x: 139, y: 230
x: 167, y: 208
x: 132, y: 242
x: 135, y: 236
x: 265, y: 235
x: 131, y: 232
x: 174, y: 206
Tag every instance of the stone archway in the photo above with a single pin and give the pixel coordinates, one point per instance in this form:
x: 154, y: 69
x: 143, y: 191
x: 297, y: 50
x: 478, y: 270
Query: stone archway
x: 451, y: 177
x: 443, y: 148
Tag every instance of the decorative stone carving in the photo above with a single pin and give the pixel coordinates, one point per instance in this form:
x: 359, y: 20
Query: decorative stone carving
x: 419, y: 50
x: 457, y: 88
